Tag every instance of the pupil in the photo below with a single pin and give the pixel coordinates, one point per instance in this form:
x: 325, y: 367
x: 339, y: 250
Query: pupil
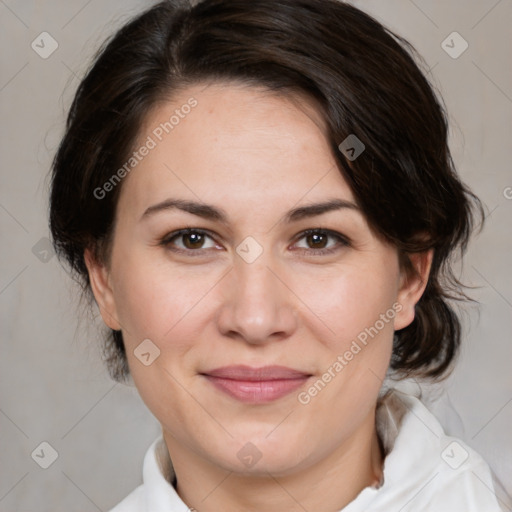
x: 315, y: 238
x: 193, y: 240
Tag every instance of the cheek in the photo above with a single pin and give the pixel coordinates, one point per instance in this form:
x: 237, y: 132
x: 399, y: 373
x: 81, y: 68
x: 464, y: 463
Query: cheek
x: 357, y: 307
x: 155, y: 300
x: 350, y: 302
x: 167, y: 306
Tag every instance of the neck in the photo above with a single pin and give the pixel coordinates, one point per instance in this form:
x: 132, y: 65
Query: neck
x: 329, y: 484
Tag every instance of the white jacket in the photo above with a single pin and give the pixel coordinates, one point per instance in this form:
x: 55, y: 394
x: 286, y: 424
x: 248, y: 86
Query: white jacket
x: 424, y: 470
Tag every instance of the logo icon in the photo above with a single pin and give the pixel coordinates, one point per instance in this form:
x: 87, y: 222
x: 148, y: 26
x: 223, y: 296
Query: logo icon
x: 45, y: 455
x: 44, y: 45
x: 352, y: 147
x: 455, y: 455
x: 249, y: 249
x: 146, y: 352
x: 249, y: 455
x: 454, y: 45
x: 43, y: 250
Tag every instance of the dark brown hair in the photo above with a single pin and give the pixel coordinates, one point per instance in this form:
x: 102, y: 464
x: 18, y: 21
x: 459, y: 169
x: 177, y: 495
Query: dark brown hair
x: 367, y: 82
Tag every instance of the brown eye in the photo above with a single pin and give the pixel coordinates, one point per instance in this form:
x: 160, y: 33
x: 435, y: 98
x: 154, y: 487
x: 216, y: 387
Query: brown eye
x: 321, y: 241
x: 188, y: 240
x: 193, y: 240
x: 317, y: 240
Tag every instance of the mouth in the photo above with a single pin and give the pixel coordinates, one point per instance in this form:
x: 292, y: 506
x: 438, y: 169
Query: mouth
x: 256, y: 385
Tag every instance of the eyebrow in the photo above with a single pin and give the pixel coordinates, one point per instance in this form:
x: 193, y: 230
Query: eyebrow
x: 210, y: 212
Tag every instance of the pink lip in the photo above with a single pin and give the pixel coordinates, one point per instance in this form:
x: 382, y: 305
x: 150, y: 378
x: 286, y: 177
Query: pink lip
x: 256, y: 385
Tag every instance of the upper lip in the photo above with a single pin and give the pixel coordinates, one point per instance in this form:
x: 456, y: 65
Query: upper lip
x: 263, y: 373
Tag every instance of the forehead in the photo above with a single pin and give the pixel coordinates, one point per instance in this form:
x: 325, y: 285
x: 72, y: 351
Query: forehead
x: 237, y: 146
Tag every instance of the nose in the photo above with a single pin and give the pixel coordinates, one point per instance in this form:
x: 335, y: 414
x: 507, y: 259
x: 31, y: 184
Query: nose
x: 257, y: 307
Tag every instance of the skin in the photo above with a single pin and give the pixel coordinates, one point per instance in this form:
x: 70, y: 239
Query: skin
x: 255, y: 155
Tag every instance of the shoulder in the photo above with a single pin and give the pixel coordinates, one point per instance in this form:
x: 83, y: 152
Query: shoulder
x: 464, y: 481
x: 426, y: 469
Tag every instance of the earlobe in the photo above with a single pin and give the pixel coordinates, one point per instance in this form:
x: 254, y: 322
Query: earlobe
x: 99, y: 278
x: 413, y: 282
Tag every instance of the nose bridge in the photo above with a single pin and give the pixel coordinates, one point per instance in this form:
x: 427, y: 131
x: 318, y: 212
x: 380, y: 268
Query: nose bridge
x: 258, y: 306
x: 256, y: 283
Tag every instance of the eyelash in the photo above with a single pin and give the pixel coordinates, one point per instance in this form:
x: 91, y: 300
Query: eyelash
x: 342, y: 241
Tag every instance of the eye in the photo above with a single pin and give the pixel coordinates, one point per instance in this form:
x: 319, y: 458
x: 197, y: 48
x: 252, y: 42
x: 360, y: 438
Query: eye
x: 194, y: 240
x: 317, y: 241
x: 188, y: 240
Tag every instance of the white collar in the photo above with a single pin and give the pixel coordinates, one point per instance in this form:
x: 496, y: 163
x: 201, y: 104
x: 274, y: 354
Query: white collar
x: 416, y: 470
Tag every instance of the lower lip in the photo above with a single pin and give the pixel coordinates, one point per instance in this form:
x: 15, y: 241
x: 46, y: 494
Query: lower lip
x: 255, y: 392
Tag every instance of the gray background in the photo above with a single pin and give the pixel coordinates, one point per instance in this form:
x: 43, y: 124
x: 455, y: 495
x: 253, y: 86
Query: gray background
x: 52, y: 383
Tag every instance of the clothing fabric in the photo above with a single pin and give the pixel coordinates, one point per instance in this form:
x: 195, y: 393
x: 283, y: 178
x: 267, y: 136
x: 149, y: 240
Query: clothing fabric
x: 424, y: 469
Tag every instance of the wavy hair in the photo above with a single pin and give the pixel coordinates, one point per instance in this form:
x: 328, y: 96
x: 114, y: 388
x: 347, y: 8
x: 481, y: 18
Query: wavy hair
x: 365, y: 81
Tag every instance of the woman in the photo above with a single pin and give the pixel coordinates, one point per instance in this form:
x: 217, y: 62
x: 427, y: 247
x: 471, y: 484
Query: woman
x: 260, y: 197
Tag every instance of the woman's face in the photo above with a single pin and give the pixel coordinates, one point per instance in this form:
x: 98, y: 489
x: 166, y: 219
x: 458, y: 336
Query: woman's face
x: 268, y: 345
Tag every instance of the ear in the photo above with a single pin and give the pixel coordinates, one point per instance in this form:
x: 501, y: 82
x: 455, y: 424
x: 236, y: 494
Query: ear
x: 99, y: 277
x: 413, y: 282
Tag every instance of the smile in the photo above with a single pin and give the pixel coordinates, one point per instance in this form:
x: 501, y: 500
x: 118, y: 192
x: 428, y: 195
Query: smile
x: 256, y: 385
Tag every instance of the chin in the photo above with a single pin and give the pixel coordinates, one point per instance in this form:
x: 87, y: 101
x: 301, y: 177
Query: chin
x: 258, y: 454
